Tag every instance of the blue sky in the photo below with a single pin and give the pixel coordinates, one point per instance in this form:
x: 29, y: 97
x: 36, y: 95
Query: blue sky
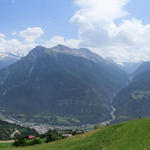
x: 51, y: 15
x: 140, y: 9
x: 119, y: 29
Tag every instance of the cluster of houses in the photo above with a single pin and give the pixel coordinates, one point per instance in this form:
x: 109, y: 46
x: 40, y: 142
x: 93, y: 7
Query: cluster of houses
x: 69, y: 132
x: 65, y: 133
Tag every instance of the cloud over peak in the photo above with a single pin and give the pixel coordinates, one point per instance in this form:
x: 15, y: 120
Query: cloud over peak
x: 31, y: 34
x: 96, y: 20
x: 125, y: 41
x: 97, y: 11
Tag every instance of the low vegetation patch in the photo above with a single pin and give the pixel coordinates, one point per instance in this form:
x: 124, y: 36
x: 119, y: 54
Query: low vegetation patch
x: 137, y: 95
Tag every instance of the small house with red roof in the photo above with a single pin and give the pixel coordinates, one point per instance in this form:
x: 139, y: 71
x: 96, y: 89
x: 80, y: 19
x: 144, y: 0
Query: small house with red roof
x: 31, y: 137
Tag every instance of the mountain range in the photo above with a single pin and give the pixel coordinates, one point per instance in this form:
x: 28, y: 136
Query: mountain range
x: 7, y: 59
x: 60, y: 86
x: 67, y: 86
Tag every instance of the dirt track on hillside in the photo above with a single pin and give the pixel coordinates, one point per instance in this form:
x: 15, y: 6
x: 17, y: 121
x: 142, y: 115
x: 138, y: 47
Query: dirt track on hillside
x: 11, y: 141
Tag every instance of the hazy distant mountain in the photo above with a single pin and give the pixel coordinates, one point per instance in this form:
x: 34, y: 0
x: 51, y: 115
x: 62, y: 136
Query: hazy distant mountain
x: 145, y: 66
x: 7, y: 59
x: 60, y: 86
x: 130, y: 68
x: 134, y: 100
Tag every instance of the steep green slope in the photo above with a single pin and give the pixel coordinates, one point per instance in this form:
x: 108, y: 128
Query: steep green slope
x: 132, y: 135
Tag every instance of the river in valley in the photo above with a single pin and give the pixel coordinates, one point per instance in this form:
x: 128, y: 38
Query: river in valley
x: 113, y: 117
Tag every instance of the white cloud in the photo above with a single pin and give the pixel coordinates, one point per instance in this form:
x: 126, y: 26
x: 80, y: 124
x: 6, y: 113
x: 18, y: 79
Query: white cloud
x: 31, y: 34
x: 61, y: 40
x: 16, y: 46
x: 95, y: 19
x: 97, y: 11
x: 2, y: 35
x: 97, y: 30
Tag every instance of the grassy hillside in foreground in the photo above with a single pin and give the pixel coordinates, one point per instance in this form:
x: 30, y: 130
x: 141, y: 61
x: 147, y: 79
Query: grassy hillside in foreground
x: 132, y: 135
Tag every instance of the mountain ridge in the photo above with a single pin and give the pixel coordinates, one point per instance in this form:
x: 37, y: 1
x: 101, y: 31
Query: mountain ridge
x: 59, y: 87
